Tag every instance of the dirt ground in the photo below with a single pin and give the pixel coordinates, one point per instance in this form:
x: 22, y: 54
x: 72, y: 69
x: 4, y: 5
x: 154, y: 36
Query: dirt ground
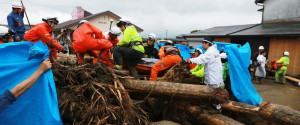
x: 287, y: 94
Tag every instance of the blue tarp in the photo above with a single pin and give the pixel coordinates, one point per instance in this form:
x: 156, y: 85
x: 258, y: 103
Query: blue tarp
x: 220, y: 46
x: 38, y: 105
x: 241, y: 86
x: 184, y: 50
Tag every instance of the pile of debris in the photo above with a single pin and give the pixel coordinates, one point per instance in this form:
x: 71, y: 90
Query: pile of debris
x: 97, y: 94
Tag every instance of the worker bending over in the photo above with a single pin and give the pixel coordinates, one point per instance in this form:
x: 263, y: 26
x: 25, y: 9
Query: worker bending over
x: 169, y: 56
x: 105, y: 55
x: 42, y: 32
x: 280, y: 73
x: 85, y: 42
x: 6, y: 35
x: 130, y: 49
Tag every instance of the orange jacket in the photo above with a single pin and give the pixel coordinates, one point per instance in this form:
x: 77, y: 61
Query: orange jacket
x: 114, y: 42
x: 1, y: 42
x: 83, y: 38
x: 42, y: 32
x: 163, y: 51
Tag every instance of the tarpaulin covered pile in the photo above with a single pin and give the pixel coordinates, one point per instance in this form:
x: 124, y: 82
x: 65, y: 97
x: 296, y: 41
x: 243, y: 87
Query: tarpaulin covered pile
x: 241, y: 86
x: 39, y: 104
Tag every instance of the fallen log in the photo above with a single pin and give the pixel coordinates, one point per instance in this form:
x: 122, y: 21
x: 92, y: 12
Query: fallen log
x: 277, y: 113
x: 180, y: 91
x: 211, y: 119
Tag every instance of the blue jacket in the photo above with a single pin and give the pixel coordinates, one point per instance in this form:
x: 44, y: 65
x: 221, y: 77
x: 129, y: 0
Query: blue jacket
x: 6, y: 99
x: 15, y: 22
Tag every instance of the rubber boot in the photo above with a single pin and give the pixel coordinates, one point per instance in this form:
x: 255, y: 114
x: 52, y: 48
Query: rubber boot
x: 133, y: 72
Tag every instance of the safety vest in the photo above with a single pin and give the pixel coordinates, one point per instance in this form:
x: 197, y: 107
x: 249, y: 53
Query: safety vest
x: 286, y: 61
x: 171, y: 50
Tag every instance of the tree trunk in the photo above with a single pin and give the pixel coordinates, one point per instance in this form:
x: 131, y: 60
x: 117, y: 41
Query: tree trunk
x: 277, y: 113
x: 179, y: 91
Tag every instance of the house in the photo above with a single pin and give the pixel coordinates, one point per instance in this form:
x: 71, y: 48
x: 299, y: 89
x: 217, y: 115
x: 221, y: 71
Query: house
x: 100, y: 20
x: 279, y: 31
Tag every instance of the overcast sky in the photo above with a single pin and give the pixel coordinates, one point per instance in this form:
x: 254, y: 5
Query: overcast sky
x: 157, y: 16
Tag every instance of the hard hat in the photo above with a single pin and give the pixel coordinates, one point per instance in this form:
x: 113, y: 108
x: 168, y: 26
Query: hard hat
x: 115, y: 31
x: 208, y: 40
x: 261, y: 47
x: 83, y: 21
x: 193, y: 52
x: 6, y: 32
x: 122, y: 22
x: 199, y: 50
x: 16, y: 5
x: 286, y: 53
x: 169, y: 42
x: 223, y: 56
x: 183, y: 43
x: 152, y: 37
x: 51, y: 19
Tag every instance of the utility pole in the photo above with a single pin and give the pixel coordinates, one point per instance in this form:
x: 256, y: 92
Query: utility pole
x: 166, y: 34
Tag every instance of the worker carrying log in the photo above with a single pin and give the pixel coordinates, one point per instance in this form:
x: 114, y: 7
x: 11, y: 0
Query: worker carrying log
x: 150, y: 50
x: 105, y: 55
x: 169, y: 56
x: 130, y: 49
x: 85, y: 42
x: 212, y: 65
x: 6, y: 35
x: 41, y: 32
x: 15, y: 21
x: 280, y: 73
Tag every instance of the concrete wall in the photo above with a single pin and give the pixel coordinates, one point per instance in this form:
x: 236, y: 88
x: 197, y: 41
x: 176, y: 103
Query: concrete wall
x: 279, y: 45
x: 281, y: 11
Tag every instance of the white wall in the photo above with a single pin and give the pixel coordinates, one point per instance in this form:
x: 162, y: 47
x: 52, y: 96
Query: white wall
x: 281, y: 10
x: 195, y: 44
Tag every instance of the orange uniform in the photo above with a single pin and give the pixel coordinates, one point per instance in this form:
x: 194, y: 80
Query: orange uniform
x: 169, y: 56
x: 192, y: 65
x: 105, y: 55
x: 42, y: 32
x: 1, y: 42
x: 85, y: 42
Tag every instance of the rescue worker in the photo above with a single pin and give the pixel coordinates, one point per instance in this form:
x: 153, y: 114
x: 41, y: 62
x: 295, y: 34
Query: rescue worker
x: 225, y: 71
x: 15, y: 21
x: 105, y: 55
x: 280, y: 73
x: 197, y: 70
x: 212, y: 65
x: 169, y: 56
x: 85, y: 42
x: 42, y: 32
x: 260, y: 70
x: 150, y: 50
x: 130, y: 49
x: 254, y: 59
x: 6, y: 35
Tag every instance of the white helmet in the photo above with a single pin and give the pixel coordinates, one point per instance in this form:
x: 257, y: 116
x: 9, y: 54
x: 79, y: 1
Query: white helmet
x: 169, y: 42
x: 152, y: 37
x: 286, y: 53
x: 115, y: 31
x: 6, y: 32
x: 199, y: 50
x: 83, y: 21
x: 223, y: 55
x: 16, y: 5
x: 261, y: 47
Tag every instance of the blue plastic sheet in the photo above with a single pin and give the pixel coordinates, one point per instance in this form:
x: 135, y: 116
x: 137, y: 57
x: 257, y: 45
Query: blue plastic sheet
x: 241, y: 86
x: 220, y: 46
x: 184, y: 50
x: 38, y: 105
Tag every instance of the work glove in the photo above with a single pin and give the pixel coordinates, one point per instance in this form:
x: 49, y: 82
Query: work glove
x: 187, y: 72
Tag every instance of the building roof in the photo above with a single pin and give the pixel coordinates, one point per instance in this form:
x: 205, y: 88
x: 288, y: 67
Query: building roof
x: 274, y: 29
x: 76, y: 21
x: 270, y: 29
x: 220, y: 30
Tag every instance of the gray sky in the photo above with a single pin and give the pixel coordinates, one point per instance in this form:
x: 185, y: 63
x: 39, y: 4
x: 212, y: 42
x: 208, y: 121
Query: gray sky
x: 157, y: 16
